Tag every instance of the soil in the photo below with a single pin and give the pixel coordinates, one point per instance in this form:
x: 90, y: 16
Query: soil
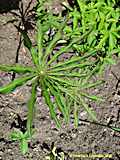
x: 87, y: 138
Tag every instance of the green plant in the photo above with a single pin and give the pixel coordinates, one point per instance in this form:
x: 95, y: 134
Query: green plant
x: 104, y: 19
x: 64, y: 83
x: 23, y: 139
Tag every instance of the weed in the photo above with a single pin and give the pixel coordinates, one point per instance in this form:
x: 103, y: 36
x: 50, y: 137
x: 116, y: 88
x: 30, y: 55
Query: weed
x: 66, y: 80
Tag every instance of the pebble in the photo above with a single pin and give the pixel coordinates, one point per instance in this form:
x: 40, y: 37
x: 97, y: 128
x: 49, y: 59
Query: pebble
x: 35, y: 149
x: 1, y: 153
x: 9, y: 150
x: 73, y: 135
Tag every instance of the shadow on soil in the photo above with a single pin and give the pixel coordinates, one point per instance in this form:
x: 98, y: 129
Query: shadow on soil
x: 7, y: 5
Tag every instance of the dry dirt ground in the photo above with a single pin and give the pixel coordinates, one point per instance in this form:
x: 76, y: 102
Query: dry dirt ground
x: 88, y: 138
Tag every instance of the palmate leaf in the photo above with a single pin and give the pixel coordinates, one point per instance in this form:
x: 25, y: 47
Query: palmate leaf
x: 16, y: 68
x: 17, y: 82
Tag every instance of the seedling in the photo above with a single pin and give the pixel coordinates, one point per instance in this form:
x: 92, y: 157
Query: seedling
x: 64, y: 80
x: 22, y: 138
x: 56, y: 79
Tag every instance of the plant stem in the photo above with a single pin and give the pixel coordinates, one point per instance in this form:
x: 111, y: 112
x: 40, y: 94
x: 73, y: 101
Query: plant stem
x: 101, y: 124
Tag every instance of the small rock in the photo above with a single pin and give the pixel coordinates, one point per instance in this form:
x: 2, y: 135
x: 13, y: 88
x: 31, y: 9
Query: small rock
x: 1, y: 153
x: 73, y: 135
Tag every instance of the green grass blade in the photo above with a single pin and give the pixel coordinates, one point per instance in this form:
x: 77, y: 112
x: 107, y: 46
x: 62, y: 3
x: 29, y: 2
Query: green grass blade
x: 31, y: 109
x: 16, y: 68
x: 17, y: 82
